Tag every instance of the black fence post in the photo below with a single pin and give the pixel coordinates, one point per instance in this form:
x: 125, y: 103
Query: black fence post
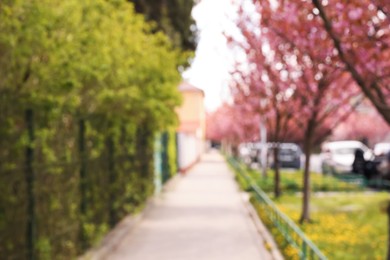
x: 111, y: 181
x: 143, y: 160
x: 30, y: 179
x: 165, y: 158
x: 177, y: 150
x: 83, y: 184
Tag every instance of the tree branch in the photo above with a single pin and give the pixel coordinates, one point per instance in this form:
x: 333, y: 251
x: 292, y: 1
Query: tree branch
x: 383, y: 109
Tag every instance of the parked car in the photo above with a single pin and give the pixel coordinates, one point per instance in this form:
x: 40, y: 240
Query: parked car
x: 244, y: 152
x: 381, y: 151
x: 289, y: 155
x: 256, y: 149
x: 337, y: 157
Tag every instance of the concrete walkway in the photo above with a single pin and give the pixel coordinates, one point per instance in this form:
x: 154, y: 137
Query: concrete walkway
x: 202, y: 216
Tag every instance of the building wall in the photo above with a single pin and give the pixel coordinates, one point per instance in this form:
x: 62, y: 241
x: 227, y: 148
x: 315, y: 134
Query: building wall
x: 192, y: 129
x: 189, y: 152
x: 192, y: 113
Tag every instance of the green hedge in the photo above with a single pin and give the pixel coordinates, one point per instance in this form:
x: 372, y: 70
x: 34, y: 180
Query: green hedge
x: 84, y: 88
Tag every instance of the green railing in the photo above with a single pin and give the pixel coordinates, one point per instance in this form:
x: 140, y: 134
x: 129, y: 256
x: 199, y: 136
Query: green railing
x: 287, y: 228
x: 362, y: 181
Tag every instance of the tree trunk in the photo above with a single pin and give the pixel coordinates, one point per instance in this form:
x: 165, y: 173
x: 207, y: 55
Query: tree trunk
x: 305, y: 217
x: 235, y: 150
x: 277, y: 190
x: 263, y: 151
x: 276, y: 156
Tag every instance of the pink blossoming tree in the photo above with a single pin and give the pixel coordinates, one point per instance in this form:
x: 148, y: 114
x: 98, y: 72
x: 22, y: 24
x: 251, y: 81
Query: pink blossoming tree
x: 292, y: 62
x: 360, y: 33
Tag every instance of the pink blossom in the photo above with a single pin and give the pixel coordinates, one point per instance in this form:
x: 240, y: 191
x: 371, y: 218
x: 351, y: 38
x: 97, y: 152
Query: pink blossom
x: 355, y: 14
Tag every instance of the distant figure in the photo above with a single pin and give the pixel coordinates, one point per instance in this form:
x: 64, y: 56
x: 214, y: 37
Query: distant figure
x: 371, y: 170
x: 388, y: 162
x: 359, y: 163
x: 363, y: 167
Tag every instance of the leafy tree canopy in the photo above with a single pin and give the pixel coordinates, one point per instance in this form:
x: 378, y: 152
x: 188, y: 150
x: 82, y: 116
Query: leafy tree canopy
x: 94, y: 57
x: 173, y: 17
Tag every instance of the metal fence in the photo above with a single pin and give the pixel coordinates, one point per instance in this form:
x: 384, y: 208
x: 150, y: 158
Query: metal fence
x: 286, y: 227
x: 58, y: 210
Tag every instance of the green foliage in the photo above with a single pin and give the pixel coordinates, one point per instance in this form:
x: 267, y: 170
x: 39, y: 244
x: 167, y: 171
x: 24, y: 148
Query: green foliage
x: 94, y: 61
x: 173, y: 17
x: 44, y: 249
x: 168, y: 154
x: 172, y: 154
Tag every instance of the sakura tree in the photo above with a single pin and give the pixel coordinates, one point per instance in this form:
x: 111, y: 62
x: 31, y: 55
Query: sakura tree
x: 228, y: 126
x: 293, y: 65
x: 265, y: 83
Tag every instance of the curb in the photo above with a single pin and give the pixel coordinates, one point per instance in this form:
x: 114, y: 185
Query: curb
x: 268, y: 240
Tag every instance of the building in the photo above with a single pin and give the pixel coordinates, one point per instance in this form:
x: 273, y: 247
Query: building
x: 192, y: 129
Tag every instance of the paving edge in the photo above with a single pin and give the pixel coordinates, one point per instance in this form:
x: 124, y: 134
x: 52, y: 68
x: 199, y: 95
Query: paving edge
x: 261, y: 228
x: 112, y: 240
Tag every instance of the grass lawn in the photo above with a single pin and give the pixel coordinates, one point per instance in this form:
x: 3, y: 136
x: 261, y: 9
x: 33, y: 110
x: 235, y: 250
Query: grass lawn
x: 348, y: 222
x: 345, y: 225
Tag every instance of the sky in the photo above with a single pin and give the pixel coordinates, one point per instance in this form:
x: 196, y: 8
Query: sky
x: 213, y: 60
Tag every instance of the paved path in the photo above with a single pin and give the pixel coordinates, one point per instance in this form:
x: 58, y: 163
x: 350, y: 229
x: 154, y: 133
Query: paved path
x: 202, y: 217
